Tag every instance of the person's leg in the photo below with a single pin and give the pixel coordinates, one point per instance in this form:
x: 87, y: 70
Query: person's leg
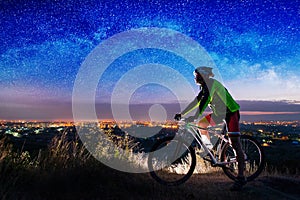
x: 234, y: 136
x: 236, y: 144
x: 204, y: 123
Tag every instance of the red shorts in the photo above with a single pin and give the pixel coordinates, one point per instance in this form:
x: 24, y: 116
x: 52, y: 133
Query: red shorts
x: 232, y: 120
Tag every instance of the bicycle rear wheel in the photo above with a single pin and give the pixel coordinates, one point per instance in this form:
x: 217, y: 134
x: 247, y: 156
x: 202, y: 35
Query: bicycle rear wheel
x: 254, y: 159
x: 171, y: 161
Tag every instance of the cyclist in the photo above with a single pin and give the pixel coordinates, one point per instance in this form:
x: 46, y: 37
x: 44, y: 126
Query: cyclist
x: 216, y: 96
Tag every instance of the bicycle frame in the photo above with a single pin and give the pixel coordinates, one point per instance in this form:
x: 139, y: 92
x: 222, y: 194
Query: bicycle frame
x: 193, y: 129
x: 184, y: 154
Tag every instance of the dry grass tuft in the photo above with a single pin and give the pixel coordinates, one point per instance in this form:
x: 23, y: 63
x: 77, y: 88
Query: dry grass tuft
x: 66, y: 170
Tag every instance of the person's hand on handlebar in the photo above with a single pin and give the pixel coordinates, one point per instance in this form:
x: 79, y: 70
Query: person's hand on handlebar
x: 177, y: 117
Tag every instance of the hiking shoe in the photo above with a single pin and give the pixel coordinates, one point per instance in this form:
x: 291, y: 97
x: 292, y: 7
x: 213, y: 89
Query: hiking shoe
x: 238, y: 184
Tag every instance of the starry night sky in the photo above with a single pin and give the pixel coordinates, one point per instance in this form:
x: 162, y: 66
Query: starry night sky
x: 254, y: 44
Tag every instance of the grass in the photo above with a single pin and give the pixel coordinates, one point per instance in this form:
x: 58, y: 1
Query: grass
x: 66, y: 170
x: 283, y: 159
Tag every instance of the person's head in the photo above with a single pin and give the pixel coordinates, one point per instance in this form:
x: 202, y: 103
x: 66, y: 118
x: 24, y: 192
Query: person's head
x: 202, y: 73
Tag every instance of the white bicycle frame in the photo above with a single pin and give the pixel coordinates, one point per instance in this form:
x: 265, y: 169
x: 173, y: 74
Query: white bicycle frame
x: 195, y: 131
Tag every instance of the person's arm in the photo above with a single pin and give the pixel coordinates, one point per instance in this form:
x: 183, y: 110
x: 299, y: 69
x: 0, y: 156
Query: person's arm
x: 200, y: 102
x: 194, y: 104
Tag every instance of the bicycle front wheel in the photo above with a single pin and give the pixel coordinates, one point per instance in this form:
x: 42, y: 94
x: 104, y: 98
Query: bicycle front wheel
x: 171, y: 161
x: 254, y: 159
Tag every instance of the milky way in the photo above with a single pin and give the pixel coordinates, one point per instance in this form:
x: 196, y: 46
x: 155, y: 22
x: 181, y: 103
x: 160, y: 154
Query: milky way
x: 43, y: 44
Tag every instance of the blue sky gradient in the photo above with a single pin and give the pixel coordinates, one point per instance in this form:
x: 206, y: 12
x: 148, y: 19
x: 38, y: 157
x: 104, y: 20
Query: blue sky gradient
x: 254, y: 44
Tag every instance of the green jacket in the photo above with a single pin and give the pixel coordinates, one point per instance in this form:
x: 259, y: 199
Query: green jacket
x: 214, y: 95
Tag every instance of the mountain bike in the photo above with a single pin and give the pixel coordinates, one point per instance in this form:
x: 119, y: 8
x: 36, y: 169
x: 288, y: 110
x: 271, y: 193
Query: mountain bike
x: 172, y: 160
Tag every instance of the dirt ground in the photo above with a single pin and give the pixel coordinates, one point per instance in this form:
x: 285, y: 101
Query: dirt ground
x: 88, y: 184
